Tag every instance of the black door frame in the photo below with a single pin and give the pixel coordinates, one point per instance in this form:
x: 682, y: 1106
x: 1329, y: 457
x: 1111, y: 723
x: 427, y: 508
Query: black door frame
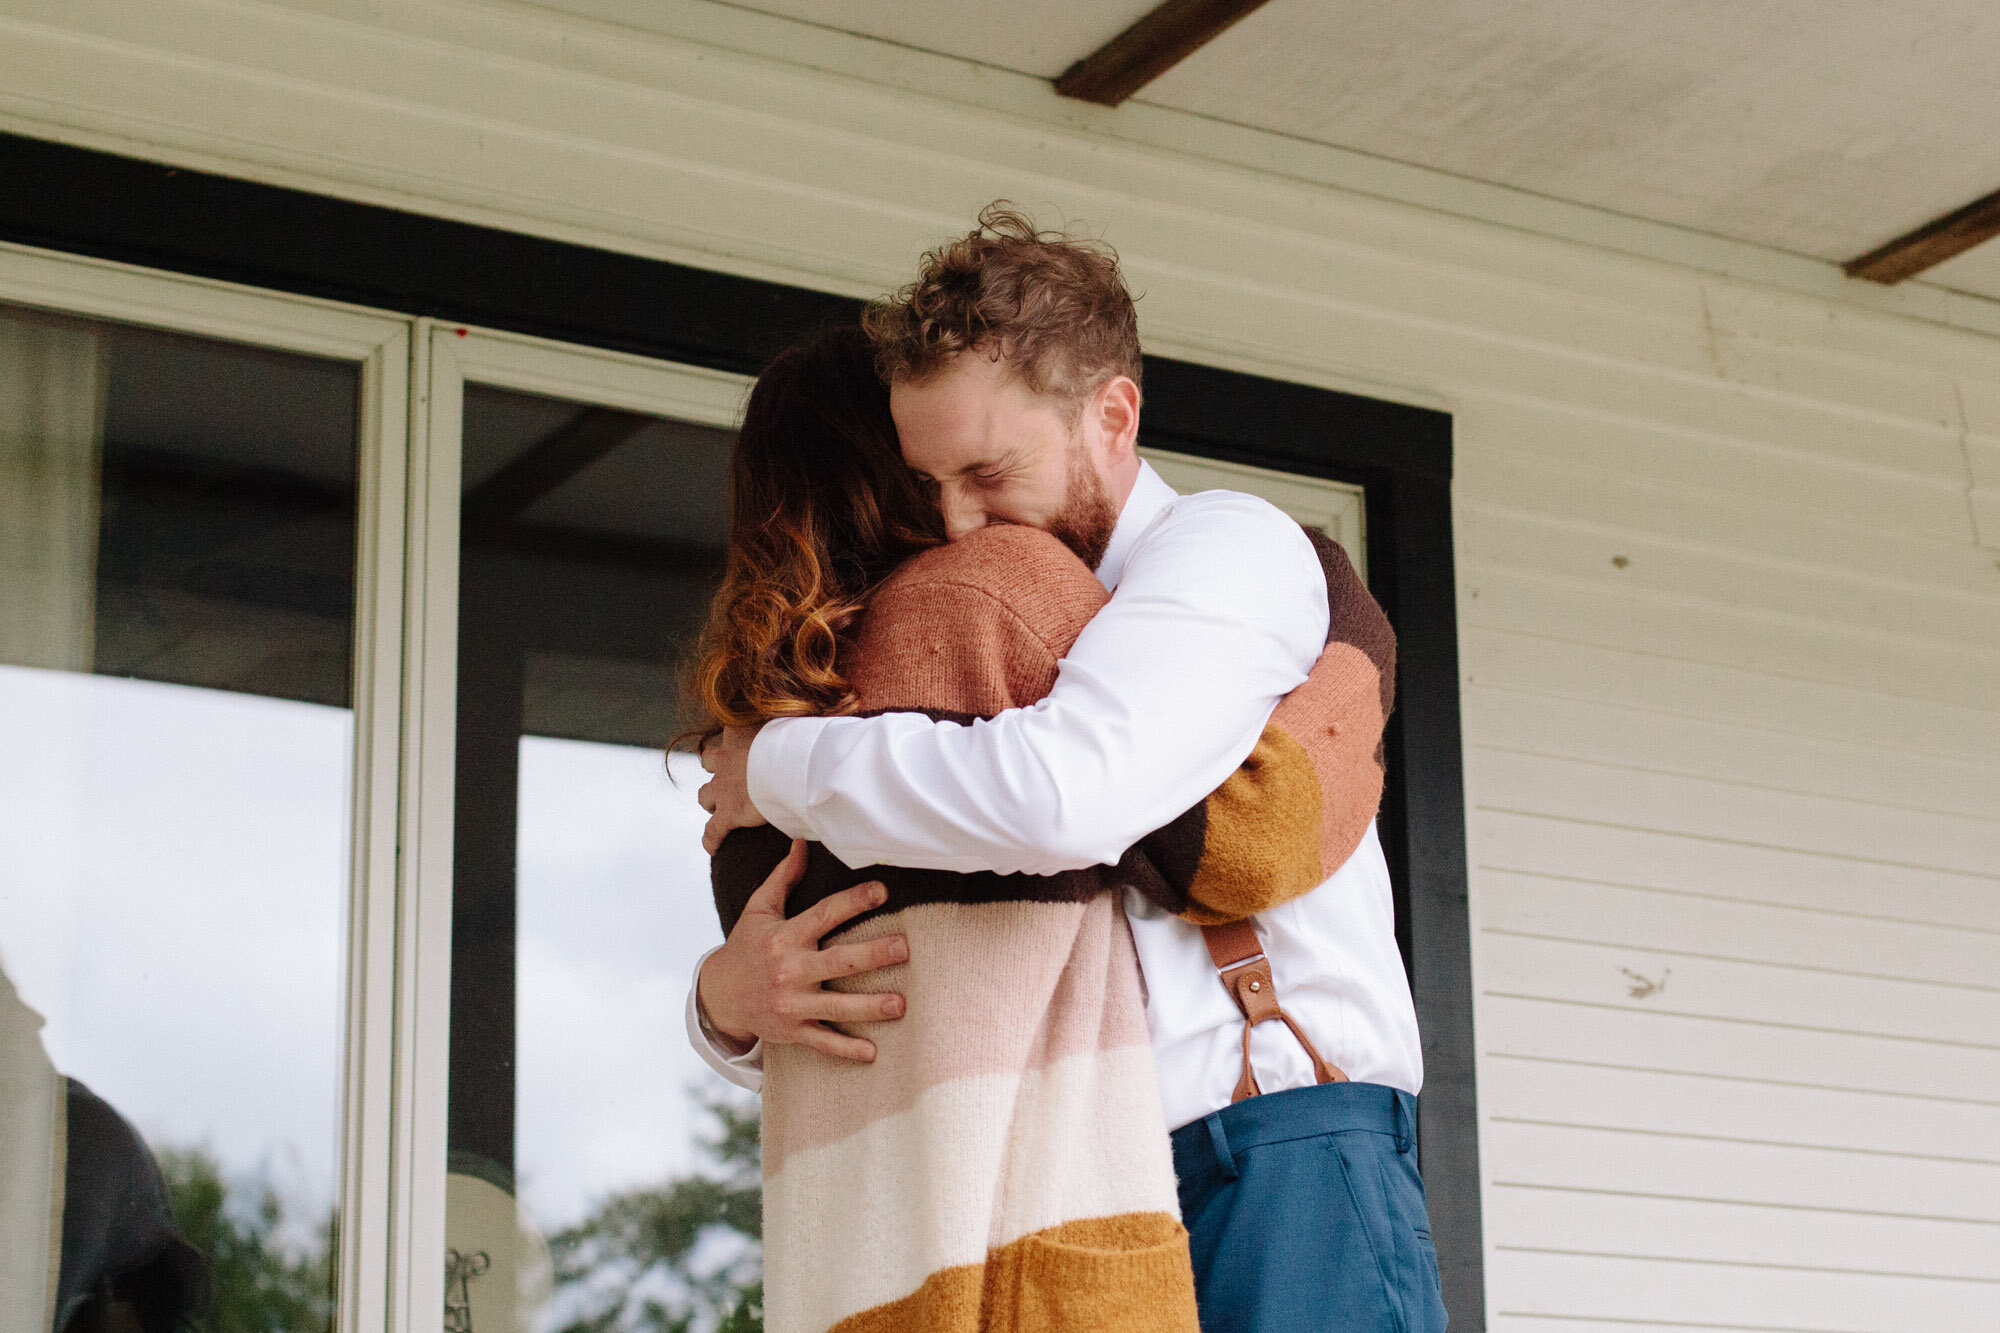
x: 99, y: 204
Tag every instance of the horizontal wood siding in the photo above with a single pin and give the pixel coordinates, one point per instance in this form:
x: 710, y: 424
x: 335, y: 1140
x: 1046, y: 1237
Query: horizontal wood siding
x: 1728, y: 552
x: 1732, y: 699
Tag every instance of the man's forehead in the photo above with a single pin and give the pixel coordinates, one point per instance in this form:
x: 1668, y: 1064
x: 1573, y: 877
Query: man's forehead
x: 949, y: 426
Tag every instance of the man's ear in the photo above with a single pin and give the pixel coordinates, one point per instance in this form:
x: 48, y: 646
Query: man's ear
x: 1116, y: 408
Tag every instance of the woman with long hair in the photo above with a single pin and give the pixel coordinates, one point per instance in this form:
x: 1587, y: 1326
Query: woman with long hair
x: 1003, y: 1162
x: 822, y: 510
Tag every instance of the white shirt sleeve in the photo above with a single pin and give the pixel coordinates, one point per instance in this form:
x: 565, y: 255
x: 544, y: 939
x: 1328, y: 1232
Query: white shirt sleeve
x: 1221, y: 611
x: 745, y: 1070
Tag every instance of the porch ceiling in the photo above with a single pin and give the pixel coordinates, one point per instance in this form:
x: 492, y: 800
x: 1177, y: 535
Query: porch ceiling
x: 1815, y: 127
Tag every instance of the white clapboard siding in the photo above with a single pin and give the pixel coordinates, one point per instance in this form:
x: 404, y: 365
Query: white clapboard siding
x: 1716, y: 1294
x: 1527, y: 1092
x: 1728, y: 544
x: 1787, y: 705
x: 1719, y: 509
x: 1722, y: 871
x: 1737, y: 812
x: 1698, y: 1230
x: 1533, y: 721
x: 1690, y: 466
x: 1591, y: 1158
x: 1623, y: 1034
x: 1565, y: 908
x: 1584, y: 974
x: 1732, y: 710
x: 1677, y: 625
x: 1921, y: 614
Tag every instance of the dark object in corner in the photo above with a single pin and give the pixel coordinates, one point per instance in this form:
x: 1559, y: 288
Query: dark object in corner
x: 125, y: 1265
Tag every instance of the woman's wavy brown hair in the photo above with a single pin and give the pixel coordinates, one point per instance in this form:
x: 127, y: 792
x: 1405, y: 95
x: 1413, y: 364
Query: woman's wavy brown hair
x: 822, y: 508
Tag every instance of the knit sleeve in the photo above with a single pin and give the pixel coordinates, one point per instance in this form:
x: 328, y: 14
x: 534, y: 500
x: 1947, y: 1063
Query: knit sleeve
x: 962, y: 631
x: 974, y: 627
x: 1296, y: 809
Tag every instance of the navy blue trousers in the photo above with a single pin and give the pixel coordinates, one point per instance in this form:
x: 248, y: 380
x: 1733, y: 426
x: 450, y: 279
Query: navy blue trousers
x: 1306, y: 1212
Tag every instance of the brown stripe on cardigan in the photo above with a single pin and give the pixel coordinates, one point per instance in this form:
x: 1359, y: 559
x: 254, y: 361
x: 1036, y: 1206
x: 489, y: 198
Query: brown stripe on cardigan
x: 748, y: 855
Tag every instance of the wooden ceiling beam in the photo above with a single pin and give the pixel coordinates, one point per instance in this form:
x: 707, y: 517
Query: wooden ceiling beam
x: 1931, y: 244
x: 1149, y: 48
x: 544, y: 466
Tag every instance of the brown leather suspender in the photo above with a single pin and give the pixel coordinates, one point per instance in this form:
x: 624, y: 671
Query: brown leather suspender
x: 1246, y: 974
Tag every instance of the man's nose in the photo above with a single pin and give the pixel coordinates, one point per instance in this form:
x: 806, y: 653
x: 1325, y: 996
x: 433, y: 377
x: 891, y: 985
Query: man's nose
x: 962, y: 513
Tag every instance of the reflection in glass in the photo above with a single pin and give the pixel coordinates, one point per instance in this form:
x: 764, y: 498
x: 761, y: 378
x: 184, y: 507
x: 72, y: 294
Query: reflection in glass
x: 585, y: 1162
x: 177, y: 529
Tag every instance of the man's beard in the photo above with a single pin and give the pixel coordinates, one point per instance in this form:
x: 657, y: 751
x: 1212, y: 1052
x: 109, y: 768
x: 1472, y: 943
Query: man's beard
x: 1087, y: 517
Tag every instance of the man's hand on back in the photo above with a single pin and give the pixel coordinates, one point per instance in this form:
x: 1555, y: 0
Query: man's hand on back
x: 726, y: 796
x: 765, y: 982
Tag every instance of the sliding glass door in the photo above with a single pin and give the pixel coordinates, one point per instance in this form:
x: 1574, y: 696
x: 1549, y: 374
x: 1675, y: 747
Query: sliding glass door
x: 181, y: 556
x: 347, y: 896
x: 593, y: 1166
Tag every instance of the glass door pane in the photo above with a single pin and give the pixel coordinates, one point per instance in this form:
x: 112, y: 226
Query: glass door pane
x: 177, y: 592
x: 585, y: 1173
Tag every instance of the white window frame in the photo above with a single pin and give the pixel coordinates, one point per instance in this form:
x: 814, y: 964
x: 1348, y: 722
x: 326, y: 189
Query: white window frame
x: 394, y: 1063
x: 379, y: 345
x: 1337, y: 508
x: 447, y: 358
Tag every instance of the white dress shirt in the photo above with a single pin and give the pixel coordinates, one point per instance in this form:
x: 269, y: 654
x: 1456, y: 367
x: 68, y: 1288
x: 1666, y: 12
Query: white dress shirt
x: 1218, y: 611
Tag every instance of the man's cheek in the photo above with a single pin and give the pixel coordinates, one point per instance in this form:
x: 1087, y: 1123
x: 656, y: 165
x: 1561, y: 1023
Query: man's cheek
x: 1025, y: 504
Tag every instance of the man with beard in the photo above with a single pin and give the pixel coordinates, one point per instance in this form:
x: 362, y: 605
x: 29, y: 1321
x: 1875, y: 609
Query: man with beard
x: 1014, y: 370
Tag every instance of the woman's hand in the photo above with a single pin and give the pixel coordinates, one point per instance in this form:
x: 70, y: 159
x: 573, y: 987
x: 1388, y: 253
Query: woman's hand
x: 726, y: 796
x: 765, y: 982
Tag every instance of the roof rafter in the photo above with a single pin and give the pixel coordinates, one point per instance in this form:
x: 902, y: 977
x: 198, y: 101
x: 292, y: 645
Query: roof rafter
x: 545, y: 465
x: 1931, y: 244
x: 1149, y: 48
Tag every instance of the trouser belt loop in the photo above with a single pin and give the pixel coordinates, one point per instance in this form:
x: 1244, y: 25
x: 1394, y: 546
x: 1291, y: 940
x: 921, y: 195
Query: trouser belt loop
x: 1406, y: 1130
x: 1218, y: 1139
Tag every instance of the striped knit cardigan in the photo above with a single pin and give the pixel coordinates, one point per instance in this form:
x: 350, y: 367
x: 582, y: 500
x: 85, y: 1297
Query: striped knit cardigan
x: 1003, y: 1164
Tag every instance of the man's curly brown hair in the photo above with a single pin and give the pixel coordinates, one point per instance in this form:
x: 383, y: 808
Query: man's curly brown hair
x: 1049, y: 304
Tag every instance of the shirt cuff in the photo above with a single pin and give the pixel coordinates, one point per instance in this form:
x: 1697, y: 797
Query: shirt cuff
x: 777, y: 773
x: 745, y: 1070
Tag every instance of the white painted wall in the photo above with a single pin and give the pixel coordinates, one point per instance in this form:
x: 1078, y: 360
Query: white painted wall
x: 1731, y: 639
